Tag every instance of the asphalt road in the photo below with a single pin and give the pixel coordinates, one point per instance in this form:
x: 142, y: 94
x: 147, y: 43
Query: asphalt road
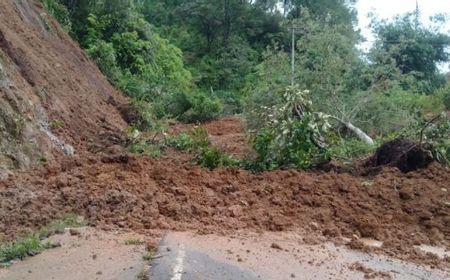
x: 178, y: 261
x: 274, y: 256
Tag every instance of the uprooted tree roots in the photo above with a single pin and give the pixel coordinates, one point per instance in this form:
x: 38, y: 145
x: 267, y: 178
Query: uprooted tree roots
x: 404, y: 154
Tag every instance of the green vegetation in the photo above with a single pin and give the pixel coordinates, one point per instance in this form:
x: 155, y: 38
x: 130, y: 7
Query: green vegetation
x: 142, y: 275
x: 31, y: 244
x: 149, y: 255
x: 194, y: 60
x: 134, y: 241
x: 289, y: 133
x: 56, y: 123
x: 196, y: 141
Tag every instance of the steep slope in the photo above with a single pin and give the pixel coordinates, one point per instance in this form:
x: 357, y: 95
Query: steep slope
x: 53, y: 99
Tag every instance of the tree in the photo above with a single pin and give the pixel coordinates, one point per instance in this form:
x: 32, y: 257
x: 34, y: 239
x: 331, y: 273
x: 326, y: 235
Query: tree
x: 416, y: 49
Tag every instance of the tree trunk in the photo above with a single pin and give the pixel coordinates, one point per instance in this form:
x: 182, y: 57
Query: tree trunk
x: 357, y: 131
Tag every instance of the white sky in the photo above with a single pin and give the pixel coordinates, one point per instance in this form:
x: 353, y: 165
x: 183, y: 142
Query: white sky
x: 387, y: 9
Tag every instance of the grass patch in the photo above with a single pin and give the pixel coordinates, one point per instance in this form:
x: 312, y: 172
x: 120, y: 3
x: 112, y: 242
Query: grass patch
x: 58, y: 226
x: 149, y: 255
x: 31, y: 244
x: 134, y: 241
x: 142, y: 275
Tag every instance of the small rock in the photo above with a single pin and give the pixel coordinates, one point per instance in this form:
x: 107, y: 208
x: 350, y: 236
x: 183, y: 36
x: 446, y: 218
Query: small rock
x: 240, y: 260
x: 276, y: 246
x: 235, y: 211
x: 74, y: 232
x: 292, y: 275
x: 314, y: 226
x: 404, y: 195
x: 99, y: 273
x: 94, y: 257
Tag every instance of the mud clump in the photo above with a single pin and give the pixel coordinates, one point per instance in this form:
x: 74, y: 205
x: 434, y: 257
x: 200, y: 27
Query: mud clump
x: 403, y: 154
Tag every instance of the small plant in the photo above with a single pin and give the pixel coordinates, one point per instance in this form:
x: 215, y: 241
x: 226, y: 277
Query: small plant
x: 142, y: 275
x: 58, y: 226
x: 56, y: 123
x: 147, y: 147
x: 149, y: 255
x: 134, y: 241
x: 42, y: 159
x: 20, y: 249
x: 181, y: 142
x: 31, y: 244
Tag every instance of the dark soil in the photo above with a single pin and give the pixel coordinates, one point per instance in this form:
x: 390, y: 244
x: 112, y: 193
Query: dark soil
x: 403, y: 154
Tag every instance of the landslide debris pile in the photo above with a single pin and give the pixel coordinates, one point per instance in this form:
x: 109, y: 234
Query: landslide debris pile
x: 143, y: 194
x: 53, y: 99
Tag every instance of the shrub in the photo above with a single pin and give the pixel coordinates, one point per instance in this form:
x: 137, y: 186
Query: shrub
x: 147, y: 147
x: 384, y: 113
x: 202, y: 108
x: 181, y: 142
x: 60, y: 12
x: 104, y: 54
x: 288, y: 134
x: 211, y: 157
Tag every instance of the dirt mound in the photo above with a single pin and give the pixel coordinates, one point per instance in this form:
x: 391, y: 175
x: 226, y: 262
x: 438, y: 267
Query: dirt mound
x: 403, y: 154
x: 52, y: 97
x: 402, y: 210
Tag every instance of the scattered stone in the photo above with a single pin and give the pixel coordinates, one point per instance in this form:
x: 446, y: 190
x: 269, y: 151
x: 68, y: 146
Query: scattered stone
x: 94, y: 257
x: 276, y: 246
x: 99, y: 273
x: 292, y: 275
x: 314, y: 226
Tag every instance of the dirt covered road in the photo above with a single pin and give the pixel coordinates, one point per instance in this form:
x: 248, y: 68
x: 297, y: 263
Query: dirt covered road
x: 153, y: 195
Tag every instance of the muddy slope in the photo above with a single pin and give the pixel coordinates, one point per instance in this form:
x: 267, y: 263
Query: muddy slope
x: 53, y: 100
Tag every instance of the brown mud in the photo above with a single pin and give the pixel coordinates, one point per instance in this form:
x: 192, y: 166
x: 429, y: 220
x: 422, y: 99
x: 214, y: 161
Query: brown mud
x: 144, y: 195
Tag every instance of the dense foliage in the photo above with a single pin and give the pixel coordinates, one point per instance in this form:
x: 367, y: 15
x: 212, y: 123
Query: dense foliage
x: 196, y: 59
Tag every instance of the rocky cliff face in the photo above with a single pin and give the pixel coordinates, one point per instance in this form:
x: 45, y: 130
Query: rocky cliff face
x: 53, y: 100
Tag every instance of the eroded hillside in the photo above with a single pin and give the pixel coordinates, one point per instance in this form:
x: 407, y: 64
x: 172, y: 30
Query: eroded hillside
x: 53, y: 99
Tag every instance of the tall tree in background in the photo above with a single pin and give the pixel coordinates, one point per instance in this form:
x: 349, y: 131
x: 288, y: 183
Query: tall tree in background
x: 416, y: 49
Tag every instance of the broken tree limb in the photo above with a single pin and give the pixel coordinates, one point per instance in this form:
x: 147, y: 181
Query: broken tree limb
x: 357, y: 131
